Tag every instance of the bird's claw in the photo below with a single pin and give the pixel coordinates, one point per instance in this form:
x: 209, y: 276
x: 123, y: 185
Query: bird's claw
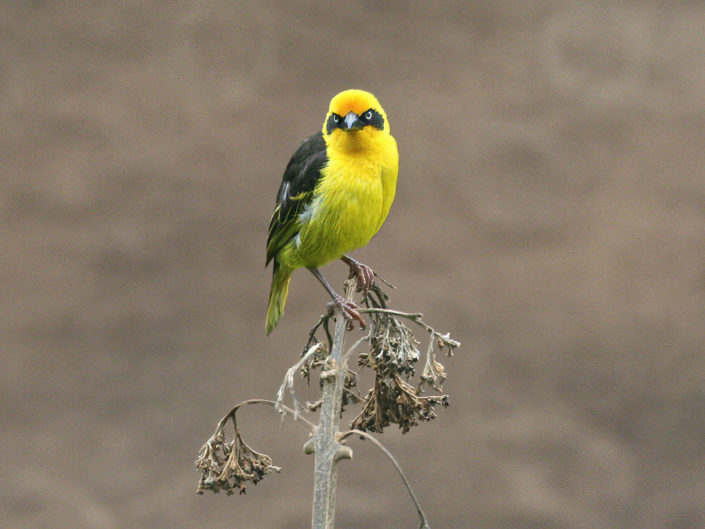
x: 365, y: 276
x: 349, y: 310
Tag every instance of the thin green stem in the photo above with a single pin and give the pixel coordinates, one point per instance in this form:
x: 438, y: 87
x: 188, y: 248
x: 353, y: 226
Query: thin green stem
x: 374, y: 441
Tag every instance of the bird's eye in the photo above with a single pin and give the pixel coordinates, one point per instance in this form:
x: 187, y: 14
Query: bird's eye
x: 336, y: 118
x: 368, y: 115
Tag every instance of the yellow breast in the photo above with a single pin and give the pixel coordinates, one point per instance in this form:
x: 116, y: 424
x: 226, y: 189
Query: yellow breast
x: 345, y: 212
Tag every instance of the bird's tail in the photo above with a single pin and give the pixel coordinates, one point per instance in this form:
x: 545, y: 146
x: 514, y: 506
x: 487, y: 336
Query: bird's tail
x: 277, y: 295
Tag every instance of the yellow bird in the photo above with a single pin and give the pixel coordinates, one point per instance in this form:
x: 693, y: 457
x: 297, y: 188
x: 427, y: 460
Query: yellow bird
x: 335, y: 195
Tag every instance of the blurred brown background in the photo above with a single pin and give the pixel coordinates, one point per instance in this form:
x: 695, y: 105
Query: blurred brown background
x: 550, y: 214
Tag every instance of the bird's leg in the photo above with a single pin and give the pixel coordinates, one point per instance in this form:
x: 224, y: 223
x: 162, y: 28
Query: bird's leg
x: 364, y: 273
x: 349, y: 309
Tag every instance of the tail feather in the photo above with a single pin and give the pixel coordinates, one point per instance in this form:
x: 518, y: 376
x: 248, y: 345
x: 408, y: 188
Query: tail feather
x: 277, y: 295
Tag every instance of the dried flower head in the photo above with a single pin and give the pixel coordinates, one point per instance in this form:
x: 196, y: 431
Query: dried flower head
x: 392, y: 400
x: 229, y: 465
x: 392, y: 346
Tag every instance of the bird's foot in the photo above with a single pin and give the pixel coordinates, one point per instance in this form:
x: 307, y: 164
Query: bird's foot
x: 349, y: 310
x: 365, y: 275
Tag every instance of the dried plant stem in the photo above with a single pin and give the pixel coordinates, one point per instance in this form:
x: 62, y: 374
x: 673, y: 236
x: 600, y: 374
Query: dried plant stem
x: 412, y: 316
x: 278, y: 406
x: 324, y: 444
x: 289, y: 380
x: 422, y: 517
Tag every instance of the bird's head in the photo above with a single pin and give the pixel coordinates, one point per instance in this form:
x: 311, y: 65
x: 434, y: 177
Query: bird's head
x: 355, y: 121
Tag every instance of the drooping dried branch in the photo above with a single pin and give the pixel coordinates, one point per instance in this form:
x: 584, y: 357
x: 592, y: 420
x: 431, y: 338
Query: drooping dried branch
x: 228, y: 464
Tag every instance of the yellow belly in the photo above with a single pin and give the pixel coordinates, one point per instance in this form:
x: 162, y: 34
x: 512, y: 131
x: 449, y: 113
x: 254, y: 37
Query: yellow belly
x: 344, y: 215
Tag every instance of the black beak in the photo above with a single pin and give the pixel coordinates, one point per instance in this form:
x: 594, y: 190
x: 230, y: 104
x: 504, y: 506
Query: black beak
x: 351, y: 122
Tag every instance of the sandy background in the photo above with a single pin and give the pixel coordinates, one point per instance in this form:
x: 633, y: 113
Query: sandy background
x: 550, y: 214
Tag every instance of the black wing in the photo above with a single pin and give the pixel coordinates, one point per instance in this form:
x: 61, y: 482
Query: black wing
x: 296, y: 191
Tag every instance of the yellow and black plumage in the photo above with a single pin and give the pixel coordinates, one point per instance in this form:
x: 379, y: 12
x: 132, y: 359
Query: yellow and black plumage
x: 335, y: 195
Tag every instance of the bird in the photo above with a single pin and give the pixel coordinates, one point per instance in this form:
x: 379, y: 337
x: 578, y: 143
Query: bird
x: 335, y: 195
